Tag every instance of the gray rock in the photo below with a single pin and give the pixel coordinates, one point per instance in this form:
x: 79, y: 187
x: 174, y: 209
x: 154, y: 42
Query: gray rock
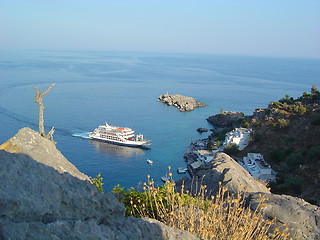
x: 181, y: 102
x: 301, y: 217
x: 40, y: 200
x: 30, y: 142
x: 227, y: 171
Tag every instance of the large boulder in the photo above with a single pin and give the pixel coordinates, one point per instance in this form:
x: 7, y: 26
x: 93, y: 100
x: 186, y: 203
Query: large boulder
x: 223, y: 169
x: 301, y: 218
x: 183, y: 103
x: 40, y: 200
x: 42, y: 150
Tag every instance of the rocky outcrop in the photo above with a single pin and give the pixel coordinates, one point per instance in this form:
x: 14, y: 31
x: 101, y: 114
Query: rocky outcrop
x: 30, y: 143
x: 301, y: 218
x: 225, y: 118
x: 181, y: 102
x: 40, y: 200
x: 227, y: 171
x: 202, y: 130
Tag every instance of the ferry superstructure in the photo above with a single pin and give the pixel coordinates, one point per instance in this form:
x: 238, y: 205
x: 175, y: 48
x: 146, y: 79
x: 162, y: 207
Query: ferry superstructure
x: 118, y: 135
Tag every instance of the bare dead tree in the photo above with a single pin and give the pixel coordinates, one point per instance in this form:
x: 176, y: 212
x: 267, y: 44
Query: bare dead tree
x: 38, y: 100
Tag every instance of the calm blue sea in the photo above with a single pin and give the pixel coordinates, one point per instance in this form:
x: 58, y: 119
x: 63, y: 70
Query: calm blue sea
x: 122, y: 88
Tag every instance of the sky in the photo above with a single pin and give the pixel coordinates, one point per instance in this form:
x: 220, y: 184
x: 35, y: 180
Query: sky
x: 282, y: 28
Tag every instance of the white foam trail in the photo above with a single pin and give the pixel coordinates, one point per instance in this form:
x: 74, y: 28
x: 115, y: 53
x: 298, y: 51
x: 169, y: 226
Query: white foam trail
x: 82, y: 135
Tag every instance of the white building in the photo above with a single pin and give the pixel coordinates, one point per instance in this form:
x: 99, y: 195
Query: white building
x: 205, y: 156
x: 239, y: 136
x: 255, y: 164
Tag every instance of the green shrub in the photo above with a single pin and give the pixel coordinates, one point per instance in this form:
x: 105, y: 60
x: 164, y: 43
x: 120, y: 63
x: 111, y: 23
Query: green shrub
x: 245, y: 124
x: 314, y: 89
x: 295, y: 184
x: 212, y: 146
x: 285, y: 99
x: 289, y: 139
x: 283, y: 123
x: 274, y: 124
x: 276, y: 104
x: 97, y: 181
x: 255, y: 136
x: 257, y: 124
x: 221, y: 135
x: 313, y: 154
x: 279, y: 154
x: 231, y: 148
x: 296, y: 108
x: 294, y: 160
x: 316, y: 122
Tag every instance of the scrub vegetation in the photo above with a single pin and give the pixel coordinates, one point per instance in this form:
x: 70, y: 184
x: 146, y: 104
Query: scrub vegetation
x: 224, y: 216
x: 287, y: 133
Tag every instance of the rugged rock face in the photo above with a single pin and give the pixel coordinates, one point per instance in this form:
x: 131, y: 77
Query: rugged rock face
x: 227, y: 171
x: 39, y: 200
x: 301, y: 218
x: 181, y: 102
x: 42, y: 150
x: 224, y: 118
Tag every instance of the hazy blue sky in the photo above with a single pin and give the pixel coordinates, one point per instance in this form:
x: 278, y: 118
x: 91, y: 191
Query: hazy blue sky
x: 256, y: 27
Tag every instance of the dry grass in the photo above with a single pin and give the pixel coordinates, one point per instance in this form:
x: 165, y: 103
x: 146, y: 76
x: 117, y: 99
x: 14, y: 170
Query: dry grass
x: 221, y: 217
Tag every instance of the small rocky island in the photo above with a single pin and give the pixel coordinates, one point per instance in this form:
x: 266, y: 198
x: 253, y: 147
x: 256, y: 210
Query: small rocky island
x: 183, y: 103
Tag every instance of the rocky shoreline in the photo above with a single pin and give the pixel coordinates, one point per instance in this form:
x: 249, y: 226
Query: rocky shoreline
x: 301, y: 217
x: 183, y: 103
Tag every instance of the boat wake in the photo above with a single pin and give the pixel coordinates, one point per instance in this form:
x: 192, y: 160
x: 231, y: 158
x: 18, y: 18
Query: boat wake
x: 81, y: 135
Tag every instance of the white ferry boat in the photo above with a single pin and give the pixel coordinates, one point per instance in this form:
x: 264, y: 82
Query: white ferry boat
x: 119, y: 135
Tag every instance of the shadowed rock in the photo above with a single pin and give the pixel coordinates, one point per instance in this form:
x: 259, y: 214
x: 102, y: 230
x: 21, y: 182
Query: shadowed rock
x: 225, y: 118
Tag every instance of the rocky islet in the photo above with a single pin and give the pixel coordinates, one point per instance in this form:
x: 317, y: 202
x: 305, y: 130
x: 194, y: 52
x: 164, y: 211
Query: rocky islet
x: 183, y: 103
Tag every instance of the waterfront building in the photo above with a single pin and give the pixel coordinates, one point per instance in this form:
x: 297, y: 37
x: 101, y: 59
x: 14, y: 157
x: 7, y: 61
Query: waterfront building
x: 255, y: 164
x: 238, y: 136
x: 205, y: 156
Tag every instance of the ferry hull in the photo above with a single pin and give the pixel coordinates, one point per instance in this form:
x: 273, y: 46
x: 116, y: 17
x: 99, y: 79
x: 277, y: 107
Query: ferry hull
x: 128, y: 144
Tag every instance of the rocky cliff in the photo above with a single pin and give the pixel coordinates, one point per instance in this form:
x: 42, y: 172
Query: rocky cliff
x: 287, y: 134
x: 181, y: 102
x: 301, y: 218
x: 43, y: 196
x: 223, y: 169
x: 42, y: 150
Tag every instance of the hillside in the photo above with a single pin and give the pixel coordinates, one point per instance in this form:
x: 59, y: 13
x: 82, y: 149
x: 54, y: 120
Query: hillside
x: 287, y: 132
x: 44, y: 196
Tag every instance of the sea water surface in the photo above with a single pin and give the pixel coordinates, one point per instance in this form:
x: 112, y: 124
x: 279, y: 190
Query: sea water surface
x: 121, y: 88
